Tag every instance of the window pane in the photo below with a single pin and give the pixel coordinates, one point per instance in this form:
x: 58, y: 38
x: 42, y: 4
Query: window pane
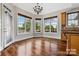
x: 47, y: 25
x: 73, y: 16
x: 54, y: 23
x: 38, y: 26
x: 21, y: 24
x: 76, y: 22
x: 69, y: 22
x: 28, y: 25
x: 73, y: 20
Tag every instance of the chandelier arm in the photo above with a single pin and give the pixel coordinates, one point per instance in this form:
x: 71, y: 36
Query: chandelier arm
x: 37, y: 8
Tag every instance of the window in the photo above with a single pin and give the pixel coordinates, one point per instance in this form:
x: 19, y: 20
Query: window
x: 21, y: 24
x: 54, y: 23
x: 73, y: 19
x: 47, y: 25
x: 24, y: 23
x: 51, y: 24
x: 28, y: 25
x: 38, y: 24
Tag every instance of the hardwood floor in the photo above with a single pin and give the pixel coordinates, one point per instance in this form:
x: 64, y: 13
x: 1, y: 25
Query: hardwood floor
x: 36, y: 47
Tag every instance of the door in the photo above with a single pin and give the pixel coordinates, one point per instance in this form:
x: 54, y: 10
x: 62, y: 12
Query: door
x: 7, y: 26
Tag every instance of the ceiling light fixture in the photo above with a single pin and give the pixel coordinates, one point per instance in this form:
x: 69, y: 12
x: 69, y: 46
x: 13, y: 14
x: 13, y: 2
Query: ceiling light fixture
x: 37, y: 9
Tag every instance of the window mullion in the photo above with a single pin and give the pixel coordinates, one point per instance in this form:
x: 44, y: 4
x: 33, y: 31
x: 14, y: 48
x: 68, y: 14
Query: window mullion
x: 25, y: 25
x: 50, y: 25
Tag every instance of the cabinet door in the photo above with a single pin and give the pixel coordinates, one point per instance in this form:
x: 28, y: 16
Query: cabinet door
x: 75, y: 43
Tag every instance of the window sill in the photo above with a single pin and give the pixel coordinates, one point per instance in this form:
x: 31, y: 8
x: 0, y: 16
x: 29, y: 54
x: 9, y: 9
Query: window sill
x: 51, y: 32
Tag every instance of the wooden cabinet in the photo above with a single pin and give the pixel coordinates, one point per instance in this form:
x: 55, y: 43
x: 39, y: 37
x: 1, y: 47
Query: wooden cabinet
x: 75, y: 42
x: 72, y: 42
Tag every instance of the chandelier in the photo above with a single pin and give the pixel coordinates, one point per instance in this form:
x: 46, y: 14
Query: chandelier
x: 37, y: 9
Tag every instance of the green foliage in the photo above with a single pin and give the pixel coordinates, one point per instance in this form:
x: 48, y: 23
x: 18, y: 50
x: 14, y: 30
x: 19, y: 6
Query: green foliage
x: 37, y: 27
x: 21, y: 29
x: 47, y: 28
x: 53, y: 29
x: 28, y: 26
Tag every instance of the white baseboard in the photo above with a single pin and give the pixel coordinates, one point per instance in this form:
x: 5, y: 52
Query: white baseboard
x: 23, y: 38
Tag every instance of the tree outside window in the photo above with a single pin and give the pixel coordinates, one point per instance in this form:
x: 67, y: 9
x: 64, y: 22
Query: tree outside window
x: 54, y: 23
x: 38, y: 26
x: 24, y: 24
x: 21, y: 24
x: 47, y: 25
x: 51, y: 24
x: 28, y: 25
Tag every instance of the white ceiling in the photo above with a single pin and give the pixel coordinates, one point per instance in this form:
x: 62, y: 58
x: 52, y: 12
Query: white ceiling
x: 47, y: 7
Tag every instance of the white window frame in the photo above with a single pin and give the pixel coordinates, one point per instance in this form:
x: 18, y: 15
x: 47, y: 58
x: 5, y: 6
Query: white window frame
x: 50, y: 26
x: 71, y: 19
x: 26, y: 27
x: 57, y: 24
x: 25, y: 32
x: 35, y: 26
x: 45, y: 25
